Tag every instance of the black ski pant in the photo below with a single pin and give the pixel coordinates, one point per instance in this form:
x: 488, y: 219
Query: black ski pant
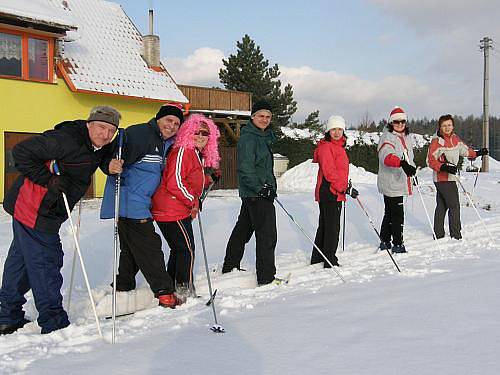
x: 393, y: 221
x: 256, y: 215
x: 140, y: 247
x: 447, y: 200
x: 327, y: 234
x: 180, y: 239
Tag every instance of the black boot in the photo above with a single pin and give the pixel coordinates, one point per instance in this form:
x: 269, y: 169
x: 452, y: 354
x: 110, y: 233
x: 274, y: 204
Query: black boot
x: 7, y: 329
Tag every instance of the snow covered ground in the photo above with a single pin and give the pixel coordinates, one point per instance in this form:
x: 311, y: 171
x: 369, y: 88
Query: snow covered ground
x: 439, y: 316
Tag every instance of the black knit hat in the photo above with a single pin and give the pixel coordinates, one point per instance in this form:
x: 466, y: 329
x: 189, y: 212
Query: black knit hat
x: 170, y: 109
x: 261, y: 105
x: 105, y: 113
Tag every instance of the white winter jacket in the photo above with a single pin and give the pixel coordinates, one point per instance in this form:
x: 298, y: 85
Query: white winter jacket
x: 392, y: 181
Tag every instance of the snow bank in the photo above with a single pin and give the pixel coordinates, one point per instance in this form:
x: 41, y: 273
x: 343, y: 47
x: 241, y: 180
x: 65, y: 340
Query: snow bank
x: 303, y: 177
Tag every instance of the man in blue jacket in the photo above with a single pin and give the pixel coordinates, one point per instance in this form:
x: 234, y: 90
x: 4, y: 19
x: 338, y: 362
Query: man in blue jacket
x: 143, y: 159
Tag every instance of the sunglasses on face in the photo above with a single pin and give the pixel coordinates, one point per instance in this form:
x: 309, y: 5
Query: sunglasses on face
x: 203, y: 133
x: 398, y: 122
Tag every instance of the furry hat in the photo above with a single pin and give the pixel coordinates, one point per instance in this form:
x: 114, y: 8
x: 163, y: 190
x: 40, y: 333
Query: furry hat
x: 335, y: 122
x: 185, y: 138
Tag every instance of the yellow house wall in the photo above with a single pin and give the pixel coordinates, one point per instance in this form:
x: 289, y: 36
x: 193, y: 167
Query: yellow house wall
x: 34, y: 107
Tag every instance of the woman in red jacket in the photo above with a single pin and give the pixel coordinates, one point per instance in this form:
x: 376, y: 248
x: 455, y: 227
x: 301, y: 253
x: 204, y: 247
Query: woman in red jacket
x: 331, y: 188
x: 176, y: 202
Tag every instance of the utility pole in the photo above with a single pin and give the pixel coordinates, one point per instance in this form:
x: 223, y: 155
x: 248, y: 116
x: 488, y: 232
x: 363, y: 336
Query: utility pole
x: 486, y: 44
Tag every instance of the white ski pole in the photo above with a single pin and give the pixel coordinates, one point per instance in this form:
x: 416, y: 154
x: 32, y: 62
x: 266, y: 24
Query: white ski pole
x: 415, y: 182
x: 73, y: 264
x: 475, y: 208
x: 216, y: 328
x: 77, y: 245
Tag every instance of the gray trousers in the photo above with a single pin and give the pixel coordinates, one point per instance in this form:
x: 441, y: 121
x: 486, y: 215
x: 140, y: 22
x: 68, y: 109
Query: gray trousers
x: 447, y: 200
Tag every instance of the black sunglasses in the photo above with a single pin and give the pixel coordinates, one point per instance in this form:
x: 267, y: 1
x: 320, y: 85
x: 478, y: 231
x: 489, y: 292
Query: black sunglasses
x: 204, y: 133
x: 399, y: 122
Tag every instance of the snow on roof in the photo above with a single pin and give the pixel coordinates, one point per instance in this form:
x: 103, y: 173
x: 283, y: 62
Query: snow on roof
x: 105, y: 54
x: 37, y: 11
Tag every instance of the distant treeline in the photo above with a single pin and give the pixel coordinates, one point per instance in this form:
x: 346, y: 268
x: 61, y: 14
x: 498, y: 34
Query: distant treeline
x: 469, y: 128
x: 364, y: 155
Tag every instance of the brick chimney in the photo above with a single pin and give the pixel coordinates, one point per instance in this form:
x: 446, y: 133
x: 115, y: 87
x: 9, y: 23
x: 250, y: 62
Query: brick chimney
x: 151, y: 45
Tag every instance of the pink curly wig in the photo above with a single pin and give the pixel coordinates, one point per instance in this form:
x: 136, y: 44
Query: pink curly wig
x: 185, y: 138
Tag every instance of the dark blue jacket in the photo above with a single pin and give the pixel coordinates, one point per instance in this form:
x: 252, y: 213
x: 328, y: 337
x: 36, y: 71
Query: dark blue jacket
x: 144, y: 154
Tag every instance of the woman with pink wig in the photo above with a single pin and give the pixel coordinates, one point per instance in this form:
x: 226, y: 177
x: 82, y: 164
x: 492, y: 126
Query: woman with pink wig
x: 176, y: 202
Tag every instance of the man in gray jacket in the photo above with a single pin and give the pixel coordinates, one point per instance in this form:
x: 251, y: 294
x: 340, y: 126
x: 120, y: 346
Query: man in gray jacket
x: 396, y: 167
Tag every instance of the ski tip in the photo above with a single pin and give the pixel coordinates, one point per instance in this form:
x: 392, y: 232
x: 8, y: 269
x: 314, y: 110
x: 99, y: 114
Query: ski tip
x: 217, y: 329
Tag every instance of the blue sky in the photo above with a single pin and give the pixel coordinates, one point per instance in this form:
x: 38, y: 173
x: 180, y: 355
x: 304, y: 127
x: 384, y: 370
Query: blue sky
x: 354, y: 58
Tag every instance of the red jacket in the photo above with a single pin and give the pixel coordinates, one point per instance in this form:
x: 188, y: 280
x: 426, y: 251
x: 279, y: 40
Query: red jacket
x: 181, y: 186
x: 333, y: 165
x: 446, y: 149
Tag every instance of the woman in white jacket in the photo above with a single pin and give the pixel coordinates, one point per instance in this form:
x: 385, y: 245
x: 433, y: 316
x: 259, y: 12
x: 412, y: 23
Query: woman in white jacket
x: 396, y: 167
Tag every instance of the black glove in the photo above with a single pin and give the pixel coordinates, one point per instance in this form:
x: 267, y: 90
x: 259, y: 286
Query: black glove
x: 267, y: 192
x: 448, y: 168
x: 59, y: 184
x: 353, y: 193
x: 482, y: 151
x: 213, y: 173
x: 410, y: 170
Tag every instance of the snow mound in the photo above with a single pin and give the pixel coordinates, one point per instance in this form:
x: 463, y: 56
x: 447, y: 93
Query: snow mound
x: 303, y: 177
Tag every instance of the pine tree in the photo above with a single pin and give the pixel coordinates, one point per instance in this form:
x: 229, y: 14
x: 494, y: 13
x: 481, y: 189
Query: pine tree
x: 248, y: 70
x: 311, y: 123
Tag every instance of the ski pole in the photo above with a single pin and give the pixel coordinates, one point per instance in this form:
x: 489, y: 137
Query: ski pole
x: 309, y: 238
x: 77, y: 245
x: 475, y: 180
x: 216, y: 328
x: 376, y: 231
x: 343, y: 226
x: 415, y: 182
x: 73, y: 265
x: 475, y: 208
x: 115, y: 236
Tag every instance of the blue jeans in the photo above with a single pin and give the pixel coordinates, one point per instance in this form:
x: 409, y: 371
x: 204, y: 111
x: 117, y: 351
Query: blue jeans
x: 34, y: 262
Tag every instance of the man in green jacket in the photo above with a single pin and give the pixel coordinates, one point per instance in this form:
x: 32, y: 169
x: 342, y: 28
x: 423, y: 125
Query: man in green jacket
x: 257, y: 190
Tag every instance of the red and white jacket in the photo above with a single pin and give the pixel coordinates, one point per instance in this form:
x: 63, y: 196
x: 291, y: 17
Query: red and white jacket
x: 181, y: 186
x: 333, y: 165
x: 445, y: 149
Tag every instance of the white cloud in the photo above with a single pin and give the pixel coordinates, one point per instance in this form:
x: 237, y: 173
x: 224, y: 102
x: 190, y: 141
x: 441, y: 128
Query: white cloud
x: 344, y: 94
x: 201, y: 68
x: 354, y: 97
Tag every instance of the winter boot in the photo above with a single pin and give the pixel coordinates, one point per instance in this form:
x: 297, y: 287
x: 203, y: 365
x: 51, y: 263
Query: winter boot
x: 169, y: 300
x: 7, y: 329
x: 399, y: 249
x: 385, y: 246
x: 183, y: 291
